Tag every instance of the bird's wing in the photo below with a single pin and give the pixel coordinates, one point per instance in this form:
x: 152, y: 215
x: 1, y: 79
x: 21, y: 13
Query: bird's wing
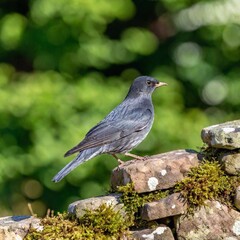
x: 109, y: 131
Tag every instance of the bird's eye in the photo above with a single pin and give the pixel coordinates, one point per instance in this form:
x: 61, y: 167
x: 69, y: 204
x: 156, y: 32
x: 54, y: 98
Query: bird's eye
x: 148, y: 82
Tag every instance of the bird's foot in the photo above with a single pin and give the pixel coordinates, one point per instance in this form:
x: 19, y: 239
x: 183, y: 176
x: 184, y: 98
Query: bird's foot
x: 136, y: 156
x: 120, y: 162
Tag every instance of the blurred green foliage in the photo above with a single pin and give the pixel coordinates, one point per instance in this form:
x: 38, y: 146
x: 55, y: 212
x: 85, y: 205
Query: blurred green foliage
x: 65, y: 64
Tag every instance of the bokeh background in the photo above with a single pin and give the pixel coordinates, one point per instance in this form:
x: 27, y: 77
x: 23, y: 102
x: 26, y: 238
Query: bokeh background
x: 65, y: 64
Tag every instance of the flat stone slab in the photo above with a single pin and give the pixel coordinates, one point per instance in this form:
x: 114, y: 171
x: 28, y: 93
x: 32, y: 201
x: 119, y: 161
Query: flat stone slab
x: 160, y: 171
x: 166, y: 207
x: 161, y: 232
x: 78, y: 208
x: 225, y: 135
x: 16, y: 227
x: 215, y: 221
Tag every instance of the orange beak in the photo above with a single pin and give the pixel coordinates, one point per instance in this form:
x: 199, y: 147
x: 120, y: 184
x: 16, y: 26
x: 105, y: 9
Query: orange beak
x: 160, y: 84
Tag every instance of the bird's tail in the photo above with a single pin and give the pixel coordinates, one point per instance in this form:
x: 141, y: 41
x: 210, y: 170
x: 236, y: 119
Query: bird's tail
x: 81, y: 158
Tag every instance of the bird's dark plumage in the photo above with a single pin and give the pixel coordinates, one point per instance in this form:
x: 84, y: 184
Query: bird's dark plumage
x: 122, y: 129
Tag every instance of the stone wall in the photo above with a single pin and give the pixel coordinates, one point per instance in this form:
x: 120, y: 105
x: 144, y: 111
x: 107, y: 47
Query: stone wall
x: 212, y: 221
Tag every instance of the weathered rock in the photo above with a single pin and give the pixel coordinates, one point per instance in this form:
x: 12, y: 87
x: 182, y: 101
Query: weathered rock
x: 78, y: 208
x: 156, y: 172
x: 225, y: 135
x: 166, y: 207
x: 160, y: 233
x: 16, y: 227
x: 237, y: 198
x: 230, y: 162
x: 212, y: 222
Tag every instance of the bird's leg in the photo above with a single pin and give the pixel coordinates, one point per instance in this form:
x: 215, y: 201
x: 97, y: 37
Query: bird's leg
x: 134, y: 156
x: 119, y: 160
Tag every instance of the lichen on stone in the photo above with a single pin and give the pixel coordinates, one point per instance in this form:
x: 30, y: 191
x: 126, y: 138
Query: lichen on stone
x: 152, y: 183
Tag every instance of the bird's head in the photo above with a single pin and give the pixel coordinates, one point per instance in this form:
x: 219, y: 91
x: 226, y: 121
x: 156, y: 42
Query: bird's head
x: 144, y: 85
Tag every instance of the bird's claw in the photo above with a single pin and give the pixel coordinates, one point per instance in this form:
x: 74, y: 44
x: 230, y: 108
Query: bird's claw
x: 120, y: 162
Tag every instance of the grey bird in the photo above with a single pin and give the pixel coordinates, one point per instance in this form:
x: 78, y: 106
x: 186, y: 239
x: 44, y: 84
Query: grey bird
x: 121, y: 130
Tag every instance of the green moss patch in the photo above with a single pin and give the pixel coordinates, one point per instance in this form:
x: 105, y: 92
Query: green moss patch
x: 102, y: 223
x: 133, y: 201
x: 207, y: 182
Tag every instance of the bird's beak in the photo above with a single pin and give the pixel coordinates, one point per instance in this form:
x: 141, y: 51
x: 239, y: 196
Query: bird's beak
x: 160, y: 84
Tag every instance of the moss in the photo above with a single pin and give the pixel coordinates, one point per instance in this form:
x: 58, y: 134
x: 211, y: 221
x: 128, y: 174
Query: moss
x: 102, y: 223
x: 133, y: 201
x: 105, y: 220
x: 207, y: 182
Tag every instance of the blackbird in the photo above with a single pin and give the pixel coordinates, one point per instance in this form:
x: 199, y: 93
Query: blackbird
x: 121, y: 130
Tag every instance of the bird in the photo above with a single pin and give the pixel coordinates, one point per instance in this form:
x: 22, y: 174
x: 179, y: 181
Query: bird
x: 121, y: 130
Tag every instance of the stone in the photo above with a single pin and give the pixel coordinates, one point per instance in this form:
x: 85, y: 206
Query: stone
x: 213, y: 221
x: 237, y: 198
x: 160, y: 171
x: 78, y: 208
x: 230, y: 162
x: 16, y: 227
x: 165, y: 207
x: 225, y: 135
x: 162, y: 232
